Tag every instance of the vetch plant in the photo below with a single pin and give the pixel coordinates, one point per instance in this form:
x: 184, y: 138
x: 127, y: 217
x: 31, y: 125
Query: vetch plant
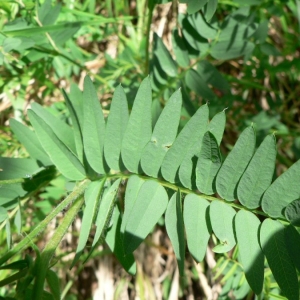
x: 180, y: 175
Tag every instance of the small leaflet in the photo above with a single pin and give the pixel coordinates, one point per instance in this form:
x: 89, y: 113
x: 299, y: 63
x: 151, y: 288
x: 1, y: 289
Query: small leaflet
x: 139, y: 128
x: 163, y: 136
x: 114, y: 240
x: 63, y: 131
x: 272, y: 240
x: 208, y: 164
x: 175, y: 229
x: 91, y: 199
x: 30, y: 141
x: 93, y: 130
x: 258, y: 175
x: 197, y: 225
x: 182, y: 150
x: 65, y: 161
x: 235, y: 165
x: 251, y: 256
x: 283, y: 191
x: 151, y: 203
x: 117, y: 121
x: 221, y: 217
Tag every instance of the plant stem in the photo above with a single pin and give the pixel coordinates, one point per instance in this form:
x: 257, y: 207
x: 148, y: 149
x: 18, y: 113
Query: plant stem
x: 148, y: 29
x: 48, y: 252
x: 77, y: 193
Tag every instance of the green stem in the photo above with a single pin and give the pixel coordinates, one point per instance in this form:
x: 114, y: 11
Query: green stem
x: 77, y: 193
x: 149, y: 22
x: 48, y: 252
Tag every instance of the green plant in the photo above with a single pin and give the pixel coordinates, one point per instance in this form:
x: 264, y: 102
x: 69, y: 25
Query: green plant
x: 159, y: 165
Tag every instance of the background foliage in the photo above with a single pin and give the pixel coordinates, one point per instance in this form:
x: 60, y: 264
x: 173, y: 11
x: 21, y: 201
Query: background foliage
x: 240, y: 55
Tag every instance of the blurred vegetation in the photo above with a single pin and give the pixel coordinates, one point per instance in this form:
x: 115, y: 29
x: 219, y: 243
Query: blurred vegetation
x: 242, y: 56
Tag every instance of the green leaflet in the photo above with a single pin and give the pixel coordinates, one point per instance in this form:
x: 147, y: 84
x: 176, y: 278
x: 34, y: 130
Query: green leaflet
x: 93, y: 127
x: 163, y: 136
x: 221, y: 217
x: 76, y: 127
x: 217, y: 126
x: 212, y: 76
x: 272, y: 240
x: 195, y: 5
x: 76, y: 97
x: 197, y: 225
x: 235, y: 164
x: 208, y: 164
x: 204, y: 29
x: 179, y: 48
x: 54, y: 284
x: 164, y: 57
x: 284, y: 190
x: 151, y: 203
x: 292, y: 240
x: 258, y: 175
x: 251, y: 256
x: 91, y: 197
x: 292, y: 212
x: 115, y: 128
x: 65, y: 161
x: 30, y: 141
x: 139, y: 128
x: 60, y: 128
x: 12, y: 168
x: 105, y: 211
x: 196, y: 83
x: 134, y: 184
x: 210, y: 9
x: 183, y: 144
x: 175, y: 229
x: 114, y: 240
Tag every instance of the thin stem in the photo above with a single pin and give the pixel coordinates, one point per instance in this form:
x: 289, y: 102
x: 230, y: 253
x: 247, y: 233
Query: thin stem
x: 48, y: 252
x: 77, y: 193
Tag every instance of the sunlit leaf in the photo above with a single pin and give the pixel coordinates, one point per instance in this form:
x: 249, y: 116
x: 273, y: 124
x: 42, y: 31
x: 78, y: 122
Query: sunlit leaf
x: 235, y: 164
x: 272, y: 239
x: 197, y: 225
x: 221, y: 217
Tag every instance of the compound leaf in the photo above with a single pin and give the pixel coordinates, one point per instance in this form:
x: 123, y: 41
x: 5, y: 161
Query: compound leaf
x: 30, y: 141
x: 235, y: 164
x: 115, y: 128
x: 221, y: 217
x: 175, y: 229
x: 151, y: 203
x: 284, y: 190
x: 163, y: 136
x: 258, y: 175
x: 139, y: 128
x: 208, y: 164
x: 65, y: 161
x: 251, y: 256
x: 272, y: 239
x: 197, y: 225
x: 93, y: 130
